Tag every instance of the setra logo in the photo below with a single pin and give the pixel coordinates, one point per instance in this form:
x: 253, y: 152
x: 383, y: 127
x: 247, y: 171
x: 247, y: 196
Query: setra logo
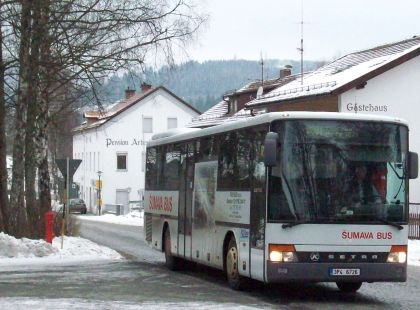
x: 314, y: 256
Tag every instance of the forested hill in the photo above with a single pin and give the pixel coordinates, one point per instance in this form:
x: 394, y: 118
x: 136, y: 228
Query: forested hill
x: 201, y: 84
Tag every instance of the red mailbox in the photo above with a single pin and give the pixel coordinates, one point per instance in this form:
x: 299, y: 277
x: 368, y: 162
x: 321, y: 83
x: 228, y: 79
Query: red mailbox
x: 49, y: 226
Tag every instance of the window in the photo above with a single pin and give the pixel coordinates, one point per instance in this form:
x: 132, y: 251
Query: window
x: 147, y: 125
x: 121, y: 161
x: 151, y: 169
x: 207, y: 149
x: 171, y: 168
x: 227, y: 161
x: 172, y: 122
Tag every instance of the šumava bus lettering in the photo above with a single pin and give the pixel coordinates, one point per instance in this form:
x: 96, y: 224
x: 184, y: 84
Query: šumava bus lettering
x: 366, y: 235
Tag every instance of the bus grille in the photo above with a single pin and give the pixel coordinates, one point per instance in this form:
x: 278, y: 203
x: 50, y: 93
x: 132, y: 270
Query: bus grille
x: 148, y: 226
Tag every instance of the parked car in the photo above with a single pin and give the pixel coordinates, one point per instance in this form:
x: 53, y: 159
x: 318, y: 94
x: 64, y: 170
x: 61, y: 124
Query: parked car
x: 77, y: 205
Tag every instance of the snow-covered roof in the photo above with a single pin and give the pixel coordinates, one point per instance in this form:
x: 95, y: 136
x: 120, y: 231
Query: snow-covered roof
x: 213, y: 116
x: 97, y: 118
x: 219, y: 112
x: 338, y: 75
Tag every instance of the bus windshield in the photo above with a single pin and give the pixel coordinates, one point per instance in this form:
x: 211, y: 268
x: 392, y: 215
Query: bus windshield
x: 339, y: 171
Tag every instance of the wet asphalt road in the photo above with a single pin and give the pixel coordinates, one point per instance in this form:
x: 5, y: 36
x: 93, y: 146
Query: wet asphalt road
x: 143, y: 282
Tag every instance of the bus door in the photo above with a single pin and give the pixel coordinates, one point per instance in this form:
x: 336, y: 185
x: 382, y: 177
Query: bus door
x: 185, y: 200
x: 258, y: 206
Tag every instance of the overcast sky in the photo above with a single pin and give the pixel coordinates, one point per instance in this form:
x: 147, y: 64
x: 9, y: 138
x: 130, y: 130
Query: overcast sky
x: 243, y: 29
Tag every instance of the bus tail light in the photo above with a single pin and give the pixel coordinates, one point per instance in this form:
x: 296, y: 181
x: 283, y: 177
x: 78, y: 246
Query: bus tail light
x: 282, y: 253
x: 398, y: 254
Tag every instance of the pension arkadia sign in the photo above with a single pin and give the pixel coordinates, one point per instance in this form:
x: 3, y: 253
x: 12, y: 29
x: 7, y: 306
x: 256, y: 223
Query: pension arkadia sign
x: 134, y: 142
x: 357, y: 107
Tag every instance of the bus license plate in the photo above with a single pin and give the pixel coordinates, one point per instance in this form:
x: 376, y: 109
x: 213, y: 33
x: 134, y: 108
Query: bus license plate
x: 344, y: 272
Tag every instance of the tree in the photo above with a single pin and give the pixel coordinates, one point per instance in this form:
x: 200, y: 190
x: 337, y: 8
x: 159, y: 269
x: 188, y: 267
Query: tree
x: 3, y: 167
x: 18, y: 217
x: 66, y: 47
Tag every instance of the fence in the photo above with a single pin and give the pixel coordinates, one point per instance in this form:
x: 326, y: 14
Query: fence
x: 414, y: 226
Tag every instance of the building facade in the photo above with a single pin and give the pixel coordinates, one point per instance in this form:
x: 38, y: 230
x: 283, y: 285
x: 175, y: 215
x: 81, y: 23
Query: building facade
x: 382, y: 80
x: 112, y: 144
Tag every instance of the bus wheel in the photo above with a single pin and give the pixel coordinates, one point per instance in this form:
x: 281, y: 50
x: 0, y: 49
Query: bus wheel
x: 170, y: 260
x: 232, y: 271
x: 349, y: 287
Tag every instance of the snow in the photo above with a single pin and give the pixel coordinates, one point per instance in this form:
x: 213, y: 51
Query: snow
x: 134, y: 218
x: 28, y: 252
x: 324, y: 81
x: 414, y: 252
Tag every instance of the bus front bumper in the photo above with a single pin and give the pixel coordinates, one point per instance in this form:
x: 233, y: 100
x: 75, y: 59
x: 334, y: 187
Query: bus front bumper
x: 322, y: 272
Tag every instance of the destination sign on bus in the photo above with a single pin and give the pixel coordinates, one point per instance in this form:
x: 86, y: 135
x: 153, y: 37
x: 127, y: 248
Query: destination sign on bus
x: 161, y: 202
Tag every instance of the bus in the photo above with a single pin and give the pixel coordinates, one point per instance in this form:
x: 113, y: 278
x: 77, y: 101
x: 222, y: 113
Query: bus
x: 284, y: 197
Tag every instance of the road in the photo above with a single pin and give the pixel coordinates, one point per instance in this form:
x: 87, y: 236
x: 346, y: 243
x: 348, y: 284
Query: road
x: 142, y: 281
x: 129, y: 240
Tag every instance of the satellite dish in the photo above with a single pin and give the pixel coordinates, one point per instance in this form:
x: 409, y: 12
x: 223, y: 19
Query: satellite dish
x: 260, y: 91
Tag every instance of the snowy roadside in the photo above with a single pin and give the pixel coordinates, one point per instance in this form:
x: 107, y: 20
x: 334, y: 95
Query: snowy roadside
x: 413, y: 252
x: 134, y: 218
x: 28, y: 252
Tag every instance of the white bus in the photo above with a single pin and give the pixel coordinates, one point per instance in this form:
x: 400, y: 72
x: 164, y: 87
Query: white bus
x: 282, y: 197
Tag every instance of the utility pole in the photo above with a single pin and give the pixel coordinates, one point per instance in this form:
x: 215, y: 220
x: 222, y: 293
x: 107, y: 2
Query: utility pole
x: 262, y: 70
x: 301, y: 45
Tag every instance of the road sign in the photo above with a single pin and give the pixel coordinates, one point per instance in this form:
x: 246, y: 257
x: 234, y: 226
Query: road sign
x: 73, y: 165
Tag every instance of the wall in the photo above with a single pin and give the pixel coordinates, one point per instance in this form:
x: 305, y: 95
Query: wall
x: 323, y: 104
x: 393, y: 93
x: 123, y: 134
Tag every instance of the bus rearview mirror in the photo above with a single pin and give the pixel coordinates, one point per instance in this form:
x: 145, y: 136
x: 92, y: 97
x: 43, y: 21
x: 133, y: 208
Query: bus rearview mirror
x: 270, y: 149
x: 413, y: 165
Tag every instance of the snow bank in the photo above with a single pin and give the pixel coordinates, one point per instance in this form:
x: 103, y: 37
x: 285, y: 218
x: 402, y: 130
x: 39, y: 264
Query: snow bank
x: 28, y: 251
x: 414, y: 252
x: 134, y: 218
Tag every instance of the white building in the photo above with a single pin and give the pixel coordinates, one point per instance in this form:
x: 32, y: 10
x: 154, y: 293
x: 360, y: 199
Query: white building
x: 382, y: 80
x: 114, y: 142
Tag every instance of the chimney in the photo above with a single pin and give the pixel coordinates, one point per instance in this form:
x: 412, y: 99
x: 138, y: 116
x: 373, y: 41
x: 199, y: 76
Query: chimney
x: 286, y: 71
x: 145, y: 87
x: 129, y: 92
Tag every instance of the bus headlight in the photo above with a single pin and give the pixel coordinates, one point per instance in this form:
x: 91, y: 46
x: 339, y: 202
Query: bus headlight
x: 398, y: 254
x: 282, y: 253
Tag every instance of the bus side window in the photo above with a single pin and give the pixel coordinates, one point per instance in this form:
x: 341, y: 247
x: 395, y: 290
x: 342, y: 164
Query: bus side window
x: 227, y: 161
x: 172, y: 168
x: 151, y: 169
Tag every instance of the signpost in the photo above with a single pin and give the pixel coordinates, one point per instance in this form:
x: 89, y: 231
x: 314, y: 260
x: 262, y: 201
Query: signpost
x: 67, y: 168
x: 99, y: 187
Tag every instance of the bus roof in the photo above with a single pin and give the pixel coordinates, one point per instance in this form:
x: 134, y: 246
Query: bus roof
x: 181, y: 134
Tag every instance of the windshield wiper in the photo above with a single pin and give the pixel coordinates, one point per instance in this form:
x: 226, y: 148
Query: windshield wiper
x: 317, y: 221
x: 289, y: 225
x: 389, y: 223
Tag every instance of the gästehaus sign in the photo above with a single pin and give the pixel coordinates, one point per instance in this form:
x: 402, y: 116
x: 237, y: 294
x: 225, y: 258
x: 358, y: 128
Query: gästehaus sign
x: 356, y: 107
x: 134, y: 141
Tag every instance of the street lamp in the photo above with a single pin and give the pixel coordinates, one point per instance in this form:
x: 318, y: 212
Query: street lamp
x: 99, y: 191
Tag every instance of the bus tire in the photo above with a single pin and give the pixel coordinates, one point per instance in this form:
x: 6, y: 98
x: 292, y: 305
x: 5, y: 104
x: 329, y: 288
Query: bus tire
x: 349, y: 287
x: 171, y: 261
x: 235, y: 281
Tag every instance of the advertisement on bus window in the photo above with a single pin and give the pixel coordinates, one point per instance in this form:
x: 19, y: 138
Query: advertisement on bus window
x: 233, y: 207
x: 204, y: 193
